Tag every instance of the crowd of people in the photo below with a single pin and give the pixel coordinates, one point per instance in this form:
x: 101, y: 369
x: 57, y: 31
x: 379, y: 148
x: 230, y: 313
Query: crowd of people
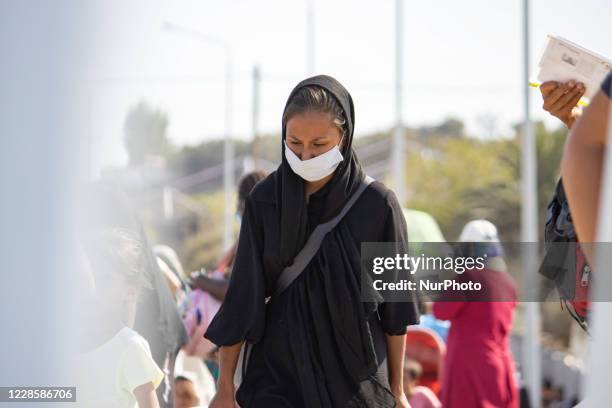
x: 280, y: 322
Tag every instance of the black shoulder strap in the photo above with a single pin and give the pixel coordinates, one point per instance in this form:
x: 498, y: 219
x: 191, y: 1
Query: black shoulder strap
x: 291, y: 272
x: 303, y: 258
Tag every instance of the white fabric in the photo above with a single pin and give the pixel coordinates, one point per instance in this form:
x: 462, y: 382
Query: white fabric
x: 479, y: 231
x: 316, y: 168
x: 109, y: 374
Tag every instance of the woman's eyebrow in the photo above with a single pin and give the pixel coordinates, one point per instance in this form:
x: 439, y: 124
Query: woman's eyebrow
x: 316, y: 139
x: 319, y: 138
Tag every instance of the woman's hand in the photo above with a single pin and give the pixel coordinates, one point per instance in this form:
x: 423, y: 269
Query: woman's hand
x: 226, y: 392
x: 401, y: 401
x: 561, y: 100
x: 224, y: 398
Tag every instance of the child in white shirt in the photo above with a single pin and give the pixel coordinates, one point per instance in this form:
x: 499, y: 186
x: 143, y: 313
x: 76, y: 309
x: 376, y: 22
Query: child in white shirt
x: 116, y: 368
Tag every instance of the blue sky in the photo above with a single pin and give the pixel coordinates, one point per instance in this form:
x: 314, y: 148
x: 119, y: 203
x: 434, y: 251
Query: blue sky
x: 462, y: 59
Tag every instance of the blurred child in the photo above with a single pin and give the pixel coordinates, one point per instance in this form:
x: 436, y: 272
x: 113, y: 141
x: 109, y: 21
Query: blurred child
x: 418, y: 396
x: 185, y: 394
x: 116, y: 368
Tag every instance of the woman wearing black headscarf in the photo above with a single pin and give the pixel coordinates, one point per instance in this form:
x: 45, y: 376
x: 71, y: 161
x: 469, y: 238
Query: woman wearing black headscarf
x: 316, y: 344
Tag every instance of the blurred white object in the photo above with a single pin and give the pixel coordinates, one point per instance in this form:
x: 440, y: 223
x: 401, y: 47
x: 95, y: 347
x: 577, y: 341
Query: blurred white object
x: 194, y: 369
x: 563, y: 60
x: 479, y: 231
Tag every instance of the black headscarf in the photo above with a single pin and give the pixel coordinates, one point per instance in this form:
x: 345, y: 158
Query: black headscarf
x: 290, y: 187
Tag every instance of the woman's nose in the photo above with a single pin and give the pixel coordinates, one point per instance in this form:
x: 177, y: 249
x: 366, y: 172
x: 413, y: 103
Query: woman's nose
x: 307, y: 154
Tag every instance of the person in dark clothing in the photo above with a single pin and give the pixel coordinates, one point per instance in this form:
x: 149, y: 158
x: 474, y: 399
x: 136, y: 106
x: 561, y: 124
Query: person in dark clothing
x: 245, y: 186
x: 217, y: 285
x: 316, y: 344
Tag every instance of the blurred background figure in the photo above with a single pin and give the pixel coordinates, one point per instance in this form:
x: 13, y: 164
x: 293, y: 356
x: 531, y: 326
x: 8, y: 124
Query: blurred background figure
x: 185, y: 394
x: 208, y: 289
x: 428, y: 320
x: 428, y: 350
x: 156, y: 318
x: 116, y: 367
x: 170, y: 265
x: 217, y: 281
x: 479, y: 370
x: 418, y: 395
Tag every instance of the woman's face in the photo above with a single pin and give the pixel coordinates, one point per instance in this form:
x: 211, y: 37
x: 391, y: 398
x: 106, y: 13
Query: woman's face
x: 310, y: 134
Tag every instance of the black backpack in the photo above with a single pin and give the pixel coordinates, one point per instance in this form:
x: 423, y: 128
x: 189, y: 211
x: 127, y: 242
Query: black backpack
x: 564, y: 263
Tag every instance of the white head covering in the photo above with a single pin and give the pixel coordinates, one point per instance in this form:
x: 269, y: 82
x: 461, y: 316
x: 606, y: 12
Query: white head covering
x: 479, y: 231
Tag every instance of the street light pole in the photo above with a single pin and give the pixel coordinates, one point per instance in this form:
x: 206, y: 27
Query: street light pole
x: 228, y: 147
x: 255, y: 124
x: 398, y: 133
x: 529, y: 233
x: 228, y: 152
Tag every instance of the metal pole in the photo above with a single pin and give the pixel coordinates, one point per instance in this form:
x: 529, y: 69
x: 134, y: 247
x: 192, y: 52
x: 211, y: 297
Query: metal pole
x: 529, y: 234
x: 228, y: 152
x: 255, y: 143
x: 228, y: 147
x: 398, y: 134
x: 310, y: 37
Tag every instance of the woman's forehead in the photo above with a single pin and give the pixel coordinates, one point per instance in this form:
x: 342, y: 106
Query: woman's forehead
x: 311, y: 125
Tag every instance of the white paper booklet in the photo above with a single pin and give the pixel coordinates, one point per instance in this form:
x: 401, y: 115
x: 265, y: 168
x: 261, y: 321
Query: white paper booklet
x: 563, y: 60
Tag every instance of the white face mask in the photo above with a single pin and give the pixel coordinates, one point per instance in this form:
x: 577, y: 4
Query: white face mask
x: 316, y: 168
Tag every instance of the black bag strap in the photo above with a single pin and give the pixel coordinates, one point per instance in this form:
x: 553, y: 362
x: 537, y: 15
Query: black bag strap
x: 303, y: 258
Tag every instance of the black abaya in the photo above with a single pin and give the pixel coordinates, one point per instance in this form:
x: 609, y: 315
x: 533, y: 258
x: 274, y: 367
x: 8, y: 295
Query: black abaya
x: 316, y: 344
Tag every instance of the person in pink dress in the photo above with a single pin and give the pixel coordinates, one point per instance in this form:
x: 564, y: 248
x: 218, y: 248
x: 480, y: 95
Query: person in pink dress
x: 479, y: 370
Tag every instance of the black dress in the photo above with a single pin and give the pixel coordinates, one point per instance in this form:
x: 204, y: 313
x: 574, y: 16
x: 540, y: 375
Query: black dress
x: 317, y: 344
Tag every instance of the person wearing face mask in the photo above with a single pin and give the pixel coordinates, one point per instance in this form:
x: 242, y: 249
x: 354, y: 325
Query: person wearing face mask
x: 313, y: 343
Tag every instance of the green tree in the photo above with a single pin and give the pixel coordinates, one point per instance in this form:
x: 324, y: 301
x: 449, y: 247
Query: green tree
x: 468, y: 178
x: 549, y: 150
x: 451, y: 127
x: 462, y: 180
x: 145, y: 133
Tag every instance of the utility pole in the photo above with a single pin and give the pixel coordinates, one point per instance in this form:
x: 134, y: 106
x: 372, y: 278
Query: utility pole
x: 228, y: 148
x: 397, y: 158
x: 255, y: 112
x: 529, y: 233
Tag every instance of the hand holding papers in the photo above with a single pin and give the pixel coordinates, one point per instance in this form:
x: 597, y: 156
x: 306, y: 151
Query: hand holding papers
x: 563, y: 60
